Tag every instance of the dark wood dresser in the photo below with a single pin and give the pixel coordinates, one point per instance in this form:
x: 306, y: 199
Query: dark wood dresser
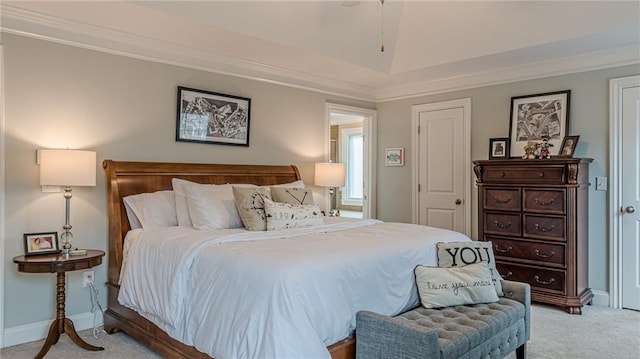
x: 535, y: 213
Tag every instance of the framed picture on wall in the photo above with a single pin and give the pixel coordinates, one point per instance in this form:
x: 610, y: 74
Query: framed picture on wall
x: 394, y: 156
x: 536, y: 116
x: 41, y: 243
x: 211, y: 117
x: 498, y: 148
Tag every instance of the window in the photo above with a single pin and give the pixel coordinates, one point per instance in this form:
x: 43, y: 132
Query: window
x: 353, y: 156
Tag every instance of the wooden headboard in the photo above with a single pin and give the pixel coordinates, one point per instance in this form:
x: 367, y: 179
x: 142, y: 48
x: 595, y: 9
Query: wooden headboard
x: 128, y: 178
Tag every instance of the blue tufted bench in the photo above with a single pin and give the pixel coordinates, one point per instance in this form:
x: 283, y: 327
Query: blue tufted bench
x: 477, y: 331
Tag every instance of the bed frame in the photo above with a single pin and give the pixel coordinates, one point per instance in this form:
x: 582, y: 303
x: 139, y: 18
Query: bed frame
x: 128, y: 178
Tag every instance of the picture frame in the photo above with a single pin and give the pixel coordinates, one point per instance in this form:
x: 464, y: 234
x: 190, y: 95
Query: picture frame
x: 568, y: 146
x: 41, y: 243
x: 499, y: 148
x: 212, y: 117
x: 534, y: 116
x: 394, y: 156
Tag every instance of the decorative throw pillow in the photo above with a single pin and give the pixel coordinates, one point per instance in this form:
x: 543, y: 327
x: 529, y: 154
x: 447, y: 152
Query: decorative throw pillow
x: 285, y: 215
x: 456, y: 254
x: 212, y: 207
x: 291, y: 195
x: 249, y: 202
x: 294, y: 184
x: 443, y: 287
x: 151, y: 210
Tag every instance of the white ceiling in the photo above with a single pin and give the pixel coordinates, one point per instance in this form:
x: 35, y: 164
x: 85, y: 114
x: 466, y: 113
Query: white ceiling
x: 334, y: 46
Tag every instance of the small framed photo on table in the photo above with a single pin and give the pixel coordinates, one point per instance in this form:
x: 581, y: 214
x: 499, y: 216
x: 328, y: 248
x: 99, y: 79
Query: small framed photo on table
x: 568, y: 146
x: 498, y: 148
x: 41, y: 243
x: 394, y: 156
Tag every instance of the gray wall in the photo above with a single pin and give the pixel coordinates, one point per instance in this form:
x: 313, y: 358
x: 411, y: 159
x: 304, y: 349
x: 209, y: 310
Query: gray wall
x: 589, y: 118
x: 59, y: 96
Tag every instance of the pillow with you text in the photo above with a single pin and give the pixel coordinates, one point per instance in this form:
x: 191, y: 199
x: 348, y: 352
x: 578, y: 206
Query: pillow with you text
x: 459, y: 254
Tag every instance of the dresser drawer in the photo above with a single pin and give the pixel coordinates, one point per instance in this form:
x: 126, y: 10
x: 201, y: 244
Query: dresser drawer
x: 544, y: 279
x: 503, y: 223
x: 544, y: 227
x: 524, y: 174
x: 502, y: 198
x: 547, y: 253
x: 545, y: 200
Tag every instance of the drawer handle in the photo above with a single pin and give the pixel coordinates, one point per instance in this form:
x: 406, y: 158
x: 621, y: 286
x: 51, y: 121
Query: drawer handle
x: 550, y: 281
x: 543, y: 203
x: 542, y: 255
x: 509, y: 274
x: 503, y: 174
x: 540, y: 174
x: 500, y: 225
x: 498, y: 249
x: 500, y: 200
x: 540, y: 229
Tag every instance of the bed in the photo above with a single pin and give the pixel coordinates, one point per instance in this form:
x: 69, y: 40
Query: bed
x: 130, y: 178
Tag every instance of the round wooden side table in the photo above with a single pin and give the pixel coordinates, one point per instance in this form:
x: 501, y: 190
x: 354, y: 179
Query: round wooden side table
x: 60, y: 264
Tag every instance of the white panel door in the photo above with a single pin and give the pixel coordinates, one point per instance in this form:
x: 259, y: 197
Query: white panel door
x: 441, y: 169
x: 630, y: 204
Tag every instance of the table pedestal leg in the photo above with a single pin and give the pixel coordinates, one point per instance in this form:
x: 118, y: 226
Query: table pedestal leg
x: 62, y: 324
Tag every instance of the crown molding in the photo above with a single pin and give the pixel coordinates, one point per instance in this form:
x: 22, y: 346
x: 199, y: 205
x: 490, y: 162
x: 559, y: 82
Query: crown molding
x: 45, y: 27
x: 50, y: 28
x: 614, y: 57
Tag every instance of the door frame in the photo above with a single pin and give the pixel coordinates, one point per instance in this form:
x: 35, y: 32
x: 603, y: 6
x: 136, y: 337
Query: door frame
x: 465, y: 103
x: 616, y: 86
x: 369, y: 130
x: 2, y: 196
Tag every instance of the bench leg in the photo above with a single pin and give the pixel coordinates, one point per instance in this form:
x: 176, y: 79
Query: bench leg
x: 521, y: 351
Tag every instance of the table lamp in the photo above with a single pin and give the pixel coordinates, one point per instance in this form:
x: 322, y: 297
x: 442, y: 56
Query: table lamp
x: 332, y: 175
x: 67, y: 168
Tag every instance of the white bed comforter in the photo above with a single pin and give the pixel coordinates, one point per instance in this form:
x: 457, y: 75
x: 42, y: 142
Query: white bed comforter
x: 283, y: 294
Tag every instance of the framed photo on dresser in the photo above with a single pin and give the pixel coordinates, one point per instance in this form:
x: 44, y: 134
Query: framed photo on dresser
x: 498, y: 148
x: 534, y: 117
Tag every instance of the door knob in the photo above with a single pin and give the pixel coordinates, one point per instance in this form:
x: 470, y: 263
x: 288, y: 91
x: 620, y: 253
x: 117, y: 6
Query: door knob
x: 458, y: 201
x: 629, y: 209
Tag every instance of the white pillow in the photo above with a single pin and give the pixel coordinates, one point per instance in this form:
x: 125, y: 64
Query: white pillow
x: 285, y: 215
x: 455, y: 254
x: 444, y: 287
x: 182, y: 210
x: 151, y: 210
x: 212, y: 207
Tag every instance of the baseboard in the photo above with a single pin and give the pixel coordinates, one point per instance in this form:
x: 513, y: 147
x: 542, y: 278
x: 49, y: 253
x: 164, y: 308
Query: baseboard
x: 600, y: 298
x: 36, y: 331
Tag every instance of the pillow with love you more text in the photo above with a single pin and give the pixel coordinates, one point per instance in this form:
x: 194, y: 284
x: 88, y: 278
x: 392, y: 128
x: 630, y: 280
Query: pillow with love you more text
x: 445, y: 287
x: 457, y: 254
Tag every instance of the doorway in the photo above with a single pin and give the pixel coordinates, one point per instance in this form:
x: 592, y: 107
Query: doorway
x: 351, y: 141
x: 442, y: 165
x: 624, y: 203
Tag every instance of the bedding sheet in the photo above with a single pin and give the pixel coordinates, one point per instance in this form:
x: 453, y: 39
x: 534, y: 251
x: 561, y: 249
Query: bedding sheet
x: 281, y: 294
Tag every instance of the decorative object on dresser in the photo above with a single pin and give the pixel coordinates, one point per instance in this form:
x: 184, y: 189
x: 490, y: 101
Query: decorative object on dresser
x: 536, y: 214
x: 498, y: 148
x: 67, y: 168
x: 536, y: 116
x: 211, y: 117
x: 568, y: 146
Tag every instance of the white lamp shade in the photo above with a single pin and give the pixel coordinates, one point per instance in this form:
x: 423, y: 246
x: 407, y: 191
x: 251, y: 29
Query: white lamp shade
x: 67, y: 168
x: 330, y: 174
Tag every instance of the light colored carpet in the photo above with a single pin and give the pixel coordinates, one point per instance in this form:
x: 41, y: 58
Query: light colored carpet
x: 600, y: 333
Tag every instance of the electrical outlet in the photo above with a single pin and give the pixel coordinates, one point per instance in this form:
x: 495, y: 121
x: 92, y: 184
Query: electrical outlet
x: 601, y: 183
x: 87, y: 278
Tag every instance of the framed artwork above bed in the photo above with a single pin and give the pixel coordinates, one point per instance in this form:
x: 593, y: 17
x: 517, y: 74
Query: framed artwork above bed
x: 211, y: 117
